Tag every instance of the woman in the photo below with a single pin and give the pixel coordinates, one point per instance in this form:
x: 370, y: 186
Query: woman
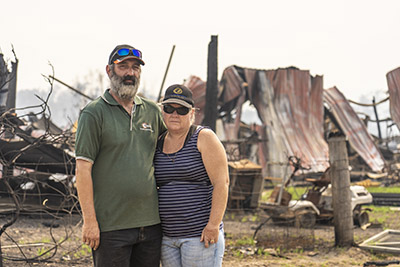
x: 191, y: 171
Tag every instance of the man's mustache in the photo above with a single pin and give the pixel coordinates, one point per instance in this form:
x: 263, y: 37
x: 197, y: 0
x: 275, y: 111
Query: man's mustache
x: 129, y: 78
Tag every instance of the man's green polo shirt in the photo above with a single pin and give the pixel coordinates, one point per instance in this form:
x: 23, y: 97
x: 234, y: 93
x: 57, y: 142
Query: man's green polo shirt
x: 121, y: 147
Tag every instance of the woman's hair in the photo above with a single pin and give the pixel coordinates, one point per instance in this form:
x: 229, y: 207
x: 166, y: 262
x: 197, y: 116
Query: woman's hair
x: 193, y: 118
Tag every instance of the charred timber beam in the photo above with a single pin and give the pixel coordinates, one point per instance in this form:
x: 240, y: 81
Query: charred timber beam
x: 210, y: 112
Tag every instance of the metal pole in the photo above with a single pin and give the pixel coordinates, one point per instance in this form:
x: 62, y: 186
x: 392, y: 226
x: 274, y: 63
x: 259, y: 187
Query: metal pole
x: 165, y: 74
x: 377, y: 119
x: 72, y: 88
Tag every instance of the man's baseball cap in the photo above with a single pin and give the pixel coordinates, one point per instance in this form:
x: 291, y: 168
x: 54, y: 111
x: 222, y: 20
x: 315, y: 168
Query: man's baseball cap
x: 123, y: 52
x: 178, y: 94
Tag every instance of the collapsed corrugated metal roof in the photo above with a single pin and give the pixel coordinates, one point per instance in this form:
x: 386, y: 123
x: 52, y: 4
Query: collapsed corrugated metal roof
x: 354, y: 129
x: 289, y: 103
x: 393, y: 80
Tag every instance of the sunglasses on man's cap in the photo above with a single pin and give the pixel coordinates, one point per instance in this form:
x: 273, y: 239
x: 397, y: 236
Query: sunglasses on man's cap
x: 124, y: 53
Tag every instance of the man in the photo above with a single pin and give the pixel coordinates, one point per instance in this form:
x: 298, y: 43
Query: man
x: 115, y: 144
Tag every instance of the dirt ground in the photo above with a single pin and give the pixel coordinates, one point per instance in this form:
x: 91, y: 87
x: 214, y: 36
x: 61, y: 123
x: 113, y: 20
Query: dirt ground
x: 56, y: 242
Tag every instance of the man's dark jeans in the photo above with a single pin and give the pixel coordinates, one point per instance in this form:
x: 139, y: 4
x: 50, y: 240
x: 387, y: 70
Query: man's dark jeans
x: 136, y: 247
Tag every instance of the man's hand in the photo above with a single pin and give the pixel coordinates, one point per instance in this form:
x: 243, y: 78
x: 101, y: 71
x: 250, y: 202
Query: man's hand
x: 84, y: 185
x: 91, y: 234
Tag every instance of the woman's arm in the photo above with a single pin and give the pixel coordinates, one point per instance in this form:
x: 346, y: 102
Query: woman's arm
x: 216, y: 164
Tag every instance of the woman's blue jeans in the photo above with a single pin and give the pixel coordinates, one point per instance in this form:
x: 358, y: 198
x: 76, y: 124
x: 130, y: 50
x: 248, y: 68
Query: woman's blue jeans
x: 185, y: 252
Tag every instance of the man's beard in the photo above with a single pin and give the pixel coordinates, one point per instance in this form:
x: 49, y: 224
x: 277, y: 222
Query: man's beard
x: 123, y: 90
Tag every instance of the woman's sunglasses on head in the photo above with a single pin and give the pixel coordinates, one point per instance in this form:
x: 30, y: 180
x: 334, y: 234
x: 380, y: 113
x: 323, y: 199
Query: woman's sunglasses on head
x: 181, y: 110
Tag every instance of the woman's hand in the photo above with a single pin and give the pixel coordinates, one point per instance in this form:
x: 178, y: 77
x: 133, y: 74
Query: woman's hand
x: 209, y: 235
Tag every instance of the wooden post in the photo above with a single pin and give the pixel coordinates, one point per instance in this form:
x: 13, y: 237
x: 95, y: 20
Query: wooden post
x: 341, y: 195
x: 4, y: 84
x: 12, y: 86
x: 210, y: 110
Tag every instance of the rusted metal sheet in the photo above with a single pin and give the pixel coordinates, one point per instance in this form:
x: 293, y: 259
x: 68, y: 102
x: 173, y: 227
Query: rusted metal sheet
x: 298, y: 101
x: 393, y: 80
x: 354, y: 129
x: 276, y: 148
x: 198, y: 88
x: 289, y: 104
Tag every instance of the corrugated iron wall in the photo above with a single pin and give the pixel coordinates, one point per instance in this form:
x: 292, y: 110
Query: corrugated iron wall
x: 393, y: 80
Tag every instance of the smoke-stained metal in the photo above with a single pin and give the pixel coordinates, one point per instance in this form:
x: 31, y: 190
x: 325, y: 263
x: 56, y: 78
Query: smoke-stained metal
x: 354, y: 129
x: 290, y: 105
x: 198, y: 88
x: 393, y: 81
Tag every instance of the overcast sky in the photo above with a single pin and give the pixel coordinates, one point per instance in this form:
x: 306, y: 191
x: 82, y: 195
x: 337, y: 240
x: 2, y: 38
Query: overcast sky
x: 353, y: 44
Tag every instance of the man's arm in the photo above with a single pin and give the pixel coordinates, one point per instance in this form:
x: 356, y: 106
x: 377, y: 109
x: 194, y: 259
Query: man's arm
x: 84, y: 184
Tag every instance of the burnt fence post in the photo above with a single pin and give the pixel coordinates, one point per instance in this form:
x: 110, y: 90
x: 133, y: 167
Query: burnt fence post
x: 341, y: 194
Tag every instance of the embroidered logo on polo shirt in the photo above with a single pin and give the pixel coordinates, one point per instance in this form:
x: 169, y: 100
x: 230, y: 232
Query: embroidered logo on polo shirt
x: 146, y: 127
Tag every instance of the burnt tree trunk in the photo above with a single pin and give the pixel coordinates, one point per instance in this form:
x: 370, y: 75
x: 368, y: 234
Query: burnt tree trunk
x: 210, y: 110
x: 8, y: 84
x: 341, y: 194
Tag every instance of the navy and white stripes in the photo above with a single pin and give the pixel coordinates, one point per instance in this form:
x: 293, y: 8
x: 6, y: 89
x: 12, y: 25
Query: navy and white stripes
x: 185, y: 190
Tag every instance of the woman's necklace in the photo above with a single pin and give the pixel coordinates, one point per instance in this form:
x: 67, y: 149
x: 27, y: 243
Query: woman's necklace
x: 172, y: 158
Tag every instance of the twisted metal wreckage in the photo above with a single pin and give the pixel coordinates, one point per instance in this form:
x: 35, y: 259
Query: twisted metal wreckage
x: 37, y: 168
x: 32, y: 150
x: 296, y: 115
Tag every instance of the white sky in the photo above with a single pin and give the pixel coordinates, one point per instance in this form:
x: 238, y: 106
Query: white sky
x: 352, y: 43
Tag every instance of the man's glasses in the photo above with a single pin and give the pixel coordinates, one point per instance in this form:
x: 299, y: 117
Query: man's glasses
x: 126, y: 51
x: 181, y: 110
